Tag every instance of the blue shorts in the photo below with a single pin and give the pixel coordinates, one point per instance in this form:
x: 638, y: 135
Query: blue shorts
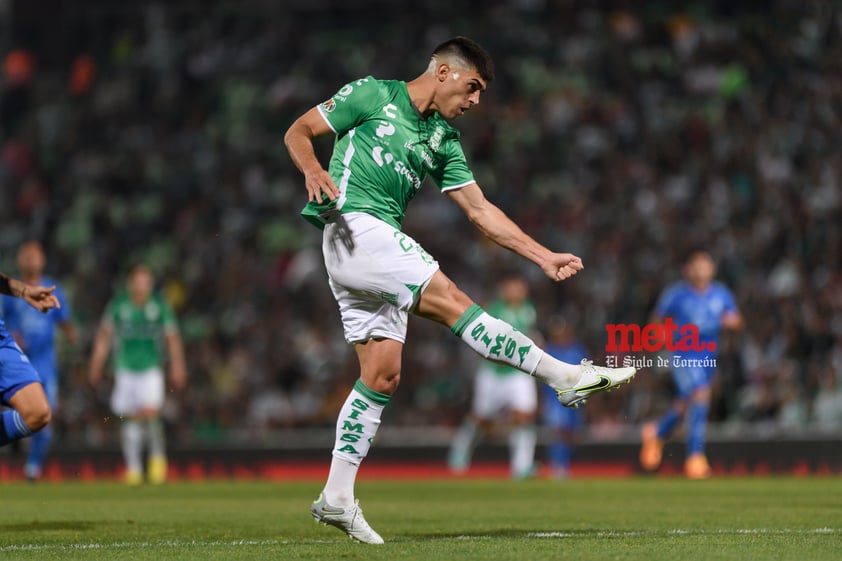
x: 691, y: 378
x: 556, y: 415
x: 15, y: 370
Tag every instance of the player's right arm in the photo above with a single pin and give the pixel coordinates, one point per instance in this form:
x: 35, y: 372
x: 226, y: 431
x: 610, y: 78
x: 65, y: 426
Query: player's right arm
x: 500, y: 229
x: 351, y: 105
x: 299, y: 142
x: 99, y: 354
x: 39, y: 297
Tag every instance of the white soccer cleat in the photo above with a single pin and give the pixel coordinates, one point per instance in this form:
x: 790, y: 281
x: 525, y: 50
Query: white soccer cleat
x: 348, y: 519
x: 594, y: 379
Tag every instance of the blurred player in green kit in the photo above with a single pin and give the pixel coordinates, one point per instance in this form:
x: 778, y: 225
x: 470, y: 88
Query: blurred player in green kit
x: 137, y: 321
x: 503, y: 391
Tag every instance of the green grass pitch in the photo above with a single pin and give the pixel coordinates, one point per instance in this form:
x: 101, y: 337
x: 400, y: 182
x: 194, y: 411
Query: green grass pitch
x: 636, y: 519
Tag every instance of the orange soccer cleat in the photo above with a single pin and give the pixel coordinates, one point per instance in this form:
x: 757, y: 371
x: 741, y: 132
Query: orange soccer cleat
x: 696, y: 466
x: 652, y: 447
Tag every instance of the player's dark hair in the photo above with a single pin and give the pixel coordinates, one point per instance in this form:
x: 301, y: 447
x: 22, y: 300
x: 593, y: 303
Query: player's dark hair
x: 140, y: 267
x: 695, y: 252
x: 472, y: 52
x: 509, y: 274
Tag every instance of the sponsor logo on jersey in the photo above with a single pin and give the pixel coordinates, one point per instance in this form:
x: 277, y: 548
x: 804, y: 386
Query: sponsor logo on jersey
x: 425, y: 156
x: 329, y: 105
x: 404, y: 170
x: 436, y: 138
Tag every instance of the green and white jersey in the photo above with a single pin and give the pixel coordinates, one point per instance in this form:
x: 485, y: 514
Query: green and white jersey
x: 138, y: 332
x: 521, y: 317
x: 384, y: 151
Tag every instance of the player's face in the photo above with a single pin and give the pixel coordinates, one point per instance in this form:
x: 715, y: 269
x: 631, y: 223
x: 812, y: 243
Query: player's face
x: 140, y: 285
x: 514, y: 291
x: 31, y: 260
x: 561, y: 334
x: 700, y: 270
x: 459, y: 91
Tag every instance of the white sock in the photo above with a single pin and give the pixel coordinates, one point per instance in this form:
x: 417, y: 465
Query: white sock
x: 557, y: 373
x: 131, y: 435
x: 522, y: 450
x: 462, y: 446
x: 356, y: 426
x: 155, y: 435
x: 498, y: 341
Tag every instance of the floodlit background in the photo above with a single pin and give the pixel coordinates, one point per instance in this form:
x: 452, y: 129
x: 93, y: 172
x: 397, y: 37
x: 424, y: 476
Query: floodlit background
x: 625, y: 132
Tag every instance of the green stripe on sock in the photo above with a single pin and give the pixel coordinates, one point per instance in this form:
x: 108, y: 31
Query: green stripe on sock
x: 463, y: 322
x: 376, y: 397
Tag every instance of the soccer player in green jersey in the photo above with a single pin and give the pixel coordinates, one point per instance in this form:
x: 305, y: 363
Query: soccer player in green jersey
x: 500, y: 389
x: 137, y: 320
x: 390, y: 136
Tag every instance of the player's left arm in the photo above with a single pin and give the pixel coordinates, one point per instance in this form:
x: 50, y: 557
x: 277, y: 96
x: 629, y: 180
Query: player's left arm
x: 178, y: 364
x: 500, y: 229
x: 731, y: 317
x: 42, y: 298
x: 65, y: 318
x: 69, y: 331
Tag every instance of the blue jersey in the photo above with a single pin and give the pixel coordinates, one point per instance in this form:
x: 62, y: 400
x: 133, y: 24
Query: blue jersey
x: 686, y: 306
x: 35, y: 329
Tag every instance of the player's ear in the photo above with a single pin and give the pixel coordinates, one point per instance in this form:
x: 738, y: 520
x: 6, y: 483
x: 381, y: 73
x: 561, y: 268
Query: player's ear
x: 442, y: 72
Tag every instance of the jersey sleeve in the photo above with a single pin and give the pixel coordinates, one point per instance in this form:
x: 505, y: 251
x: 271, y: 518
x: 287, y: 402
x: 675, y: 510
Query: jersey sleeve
x: 453, y: 173
x: 352, y: 104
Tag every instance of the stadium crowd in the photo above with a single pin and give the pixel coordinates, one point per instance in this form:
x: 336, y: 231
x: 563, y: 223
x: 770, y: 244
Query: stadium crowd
x: 625, y: 134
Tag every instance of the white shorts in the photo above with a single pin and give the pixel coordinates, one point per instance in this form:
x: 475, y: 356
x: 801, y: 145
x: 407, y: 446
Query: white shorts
x: 379, y: 280
x: 494, y: 394
x: 135, y: 391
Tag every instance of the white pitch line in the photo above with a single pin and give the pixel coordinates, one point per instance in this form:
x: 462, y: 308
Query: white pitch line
x: 138, y: 545
x: 537, y: 535
x: 682, y: 532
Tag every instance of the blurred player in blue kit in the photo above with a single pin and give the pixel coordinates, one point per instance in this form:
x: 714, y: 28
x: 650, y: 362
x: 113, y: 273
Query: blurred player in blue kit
x: 565, y: 422
x: 20, y: 386
x: 34, y: 332
x: 710, y: 306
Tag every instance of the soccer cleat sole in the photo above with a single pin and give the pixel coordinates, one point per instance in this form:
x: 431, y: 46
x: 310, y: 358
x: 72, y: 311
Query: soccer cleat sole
x: 581, y: 400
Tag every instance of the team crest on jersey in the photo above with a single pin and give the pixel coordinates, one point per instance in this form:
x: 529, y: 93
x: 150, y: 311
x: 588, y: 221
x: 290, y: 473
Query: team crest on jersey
x: 436, y: 138
x: 152, y: 311
x: 329, y: 105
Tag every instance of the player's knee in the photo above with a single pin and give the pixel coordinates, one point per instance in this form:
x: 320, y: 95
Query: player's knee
x: 522, y: 418
x: 386, y: 383
x: 701, y: 396
x: 443, y: 301
x: 37, y: 417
